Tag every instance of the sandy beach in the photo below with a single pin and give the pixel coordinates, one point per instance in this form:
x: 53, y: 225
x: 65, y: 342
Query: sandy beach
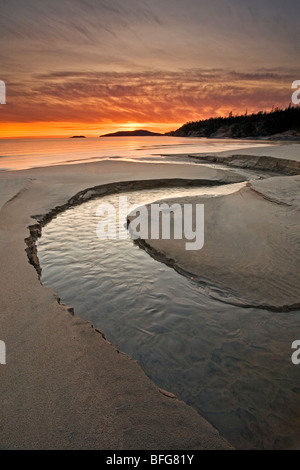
x: 64, y: 386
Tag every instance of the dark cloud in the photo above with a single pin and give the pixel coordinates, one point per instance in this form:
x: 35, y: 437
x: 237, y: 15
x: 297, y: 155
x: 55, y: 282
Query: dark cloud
x: 104, y: 34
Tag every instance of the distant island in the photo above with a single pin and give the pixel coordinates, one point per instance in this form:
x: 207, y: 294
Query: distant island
x: 137, y: 133
x: 78, y: 137
x: 279, y: 124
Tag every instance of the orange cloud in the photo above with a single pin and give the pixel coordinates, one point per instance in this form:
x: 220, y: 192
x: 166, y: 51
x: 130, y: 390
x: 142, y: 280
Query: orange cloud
x: 66, y: 103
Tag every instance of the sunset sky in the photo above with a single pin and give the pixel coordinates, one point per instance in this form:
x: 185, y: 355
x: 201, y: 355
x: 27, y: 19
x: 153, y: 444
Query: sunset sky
x: 94, y: 66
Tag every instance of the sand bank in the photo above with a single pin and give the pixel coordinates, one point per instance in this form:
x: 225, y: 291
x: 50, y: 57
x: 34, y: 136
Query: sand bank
x: 64, y: 386
x: 283, y: 159
x: 251, y: 253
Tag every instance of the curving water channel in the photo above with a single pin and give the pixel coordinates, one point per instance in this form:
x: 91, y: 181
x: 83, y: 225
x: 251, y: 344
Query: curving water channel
x: 233, y: 365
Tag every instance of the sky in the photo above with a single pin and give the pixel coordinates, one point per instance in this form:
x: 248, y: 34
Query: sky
x: 94, y: 66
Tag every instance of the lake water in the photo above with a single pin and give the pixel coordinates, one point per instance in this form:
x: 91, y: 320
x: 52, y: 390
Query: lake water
x: 230, y: 363
x: 19, y: 154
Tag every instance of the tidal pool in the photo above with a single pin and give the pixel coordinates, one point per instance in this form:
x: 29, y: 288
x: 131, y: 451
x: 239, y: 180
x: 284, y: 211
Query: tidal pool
x: 232, y: 364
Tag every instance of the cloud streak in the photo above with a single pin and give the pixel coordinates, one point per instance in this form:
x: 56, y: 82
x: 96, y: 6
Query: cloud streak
x: 162, y: 96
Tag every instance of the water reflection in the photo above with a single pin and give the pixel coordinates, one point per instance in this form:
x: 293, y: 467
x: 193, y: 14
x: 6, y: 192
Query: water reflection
x: 18, y: 154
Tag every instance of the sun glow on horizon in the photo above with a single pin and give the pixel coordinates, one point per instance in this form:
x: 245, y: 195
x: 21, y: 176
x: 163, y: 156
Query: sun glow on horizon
x: 19, y: 130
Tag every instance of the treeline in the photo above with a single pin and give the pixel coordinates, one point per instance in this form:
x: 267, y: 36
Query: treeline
x: 262, y: 124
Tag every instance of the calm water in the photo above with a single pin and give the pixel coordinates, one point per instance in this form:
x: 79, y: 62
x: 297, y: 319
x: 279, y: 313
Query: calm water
x: 18, y: 154
x: 231, y: 364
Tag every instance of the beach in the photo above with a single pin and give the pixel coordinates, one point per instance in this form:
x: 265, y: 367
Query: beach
x: 250, y: 255
x: 64, y: 386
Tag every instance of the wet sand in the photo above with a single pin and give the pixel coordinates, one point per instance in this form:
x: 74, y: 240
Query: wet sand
x: 64, y: 386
